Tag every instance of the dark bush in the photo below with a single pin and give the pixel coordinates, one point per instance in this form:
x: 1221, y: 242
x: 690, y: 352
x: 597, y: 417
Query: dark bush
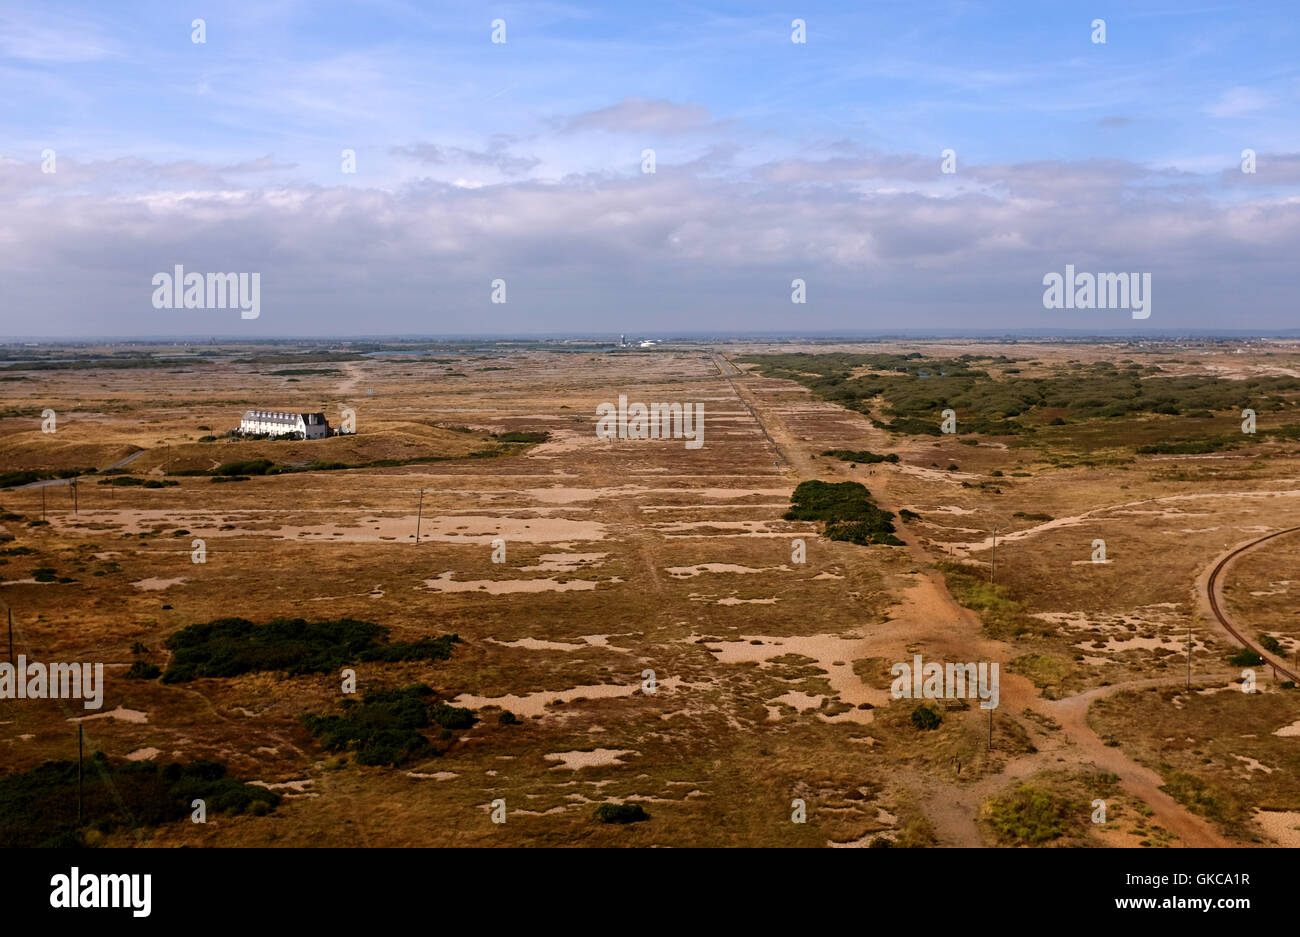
x: 39, y: 807
x: 925, y: 718
x: 143, y: 670
x: 621, y: 813
x: 1245, y: 658
x: 228, y: 647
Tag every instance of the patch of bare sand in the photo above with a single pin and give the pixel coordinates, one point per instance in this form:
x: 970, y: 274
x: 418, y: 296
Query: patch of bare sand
x: 154, y: 584
x: 457, y: 529
x: 686, y: 572
x: 444, y: 583
x: 121, y: 712
x: 1281, y: 825
x: 534, y: 704
x: 597, y: 758
x: 534, y: 644
x: 833, y: 655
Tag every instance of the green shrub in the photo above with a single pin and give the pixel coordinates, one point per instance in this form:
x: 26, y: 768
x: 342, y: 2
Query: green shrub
x: 848, y: 510
x: 39, y: 807
x: 452, y: 717
x: 1205, y: 797
x: 228, y: 647
x: 925, y: 718
x: 1245, y: 658
x: 860, y: 455
x: 247, y: 467
x: 387, y: 726
x: 1030, y: 816
x: 621, y: 813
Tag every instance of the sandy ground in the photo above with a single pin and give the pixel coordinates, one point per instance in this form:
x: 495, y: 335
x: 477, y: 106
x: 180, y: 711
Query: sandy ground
x: 649, y: 624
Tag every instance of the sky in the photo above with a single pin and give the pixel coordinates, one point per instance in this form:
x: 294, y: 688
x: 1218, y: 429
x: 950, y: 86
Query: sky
x: 128, y: 148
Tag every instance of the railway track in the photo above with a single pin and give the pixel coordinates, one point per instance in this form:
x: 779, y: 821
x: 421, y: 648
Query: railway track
x: 1211, y: 593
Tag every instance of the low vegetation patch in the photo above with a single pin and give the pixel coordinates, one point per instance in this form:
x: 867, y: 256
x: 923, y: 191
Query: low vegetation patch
x: 621, y: 813
x: 925, y: 718
x: 1245, y: 658
x: 1030, y: 816
x: 847, y: 510
x: 860, y: 455
x: 1206, y: 798
x: 1003, y: 615
x: 228, y: 647
x: 27, y: 476
x: 1154, y: 408
x: 39, y: 807
x: 386, y: 727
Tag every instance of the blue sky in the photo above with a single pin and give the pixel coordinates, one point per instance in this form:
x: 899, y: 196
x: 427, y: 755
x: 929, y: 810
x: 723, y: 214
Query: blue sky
x: 522, y: 161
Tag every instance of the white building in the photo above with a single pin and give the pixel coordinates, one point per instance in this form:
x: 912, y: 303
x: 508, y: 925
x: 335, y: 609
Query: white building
x: 277, y: 423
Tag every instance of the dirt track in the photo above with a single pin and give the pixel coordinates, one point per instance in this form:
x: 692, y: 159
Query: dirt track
x: 953, y: 808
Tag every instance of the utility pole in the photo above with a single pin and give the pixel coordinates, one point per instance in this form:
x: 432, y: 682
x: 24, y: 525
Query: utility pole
x: 43, y: 502
x: 993, y: 578
x: 79, y: 772
x: 11, y: 638
x: 1189, y: 657
x: 418, y: 516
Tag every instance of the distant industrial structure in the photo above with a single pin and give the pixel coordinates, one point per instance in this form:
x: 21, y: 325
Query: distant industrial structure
x: 278, y: 423
x: 634, y: 343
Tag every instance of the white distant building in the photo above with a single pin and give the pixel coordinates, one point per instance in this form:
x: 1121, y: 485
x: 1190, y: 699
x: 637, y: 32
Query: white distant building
x: 277, y: 423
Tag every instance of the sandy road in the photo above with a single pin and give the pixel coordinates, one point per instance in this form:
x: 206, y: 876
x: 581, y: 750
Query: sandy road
x: 50, y: 482
x: 950, y: 807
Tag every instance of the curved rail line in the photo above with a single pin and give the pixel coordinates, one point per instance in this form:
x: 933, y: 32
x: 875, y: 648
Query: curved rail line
x: 1211, y: 592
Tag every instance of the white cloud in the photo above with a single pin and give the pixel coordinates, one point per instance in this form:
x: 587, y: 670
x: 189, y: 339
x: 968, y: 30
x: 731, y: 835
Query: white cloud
x: 1239, y: 102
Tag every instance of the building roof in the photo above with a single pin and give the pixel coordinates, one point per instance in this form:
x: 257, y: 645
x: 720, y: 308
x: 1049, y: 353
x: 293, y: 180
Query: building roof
x: 282, y: 416
x: 271, y: 416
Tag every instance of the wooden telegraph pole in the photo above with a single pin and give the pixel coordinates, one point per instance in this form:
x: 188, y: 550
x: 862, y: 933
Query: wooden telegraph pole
x: 1189, y: 657
x: 418, y: 516
x: 79, y: 771
x: 993, y: 573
